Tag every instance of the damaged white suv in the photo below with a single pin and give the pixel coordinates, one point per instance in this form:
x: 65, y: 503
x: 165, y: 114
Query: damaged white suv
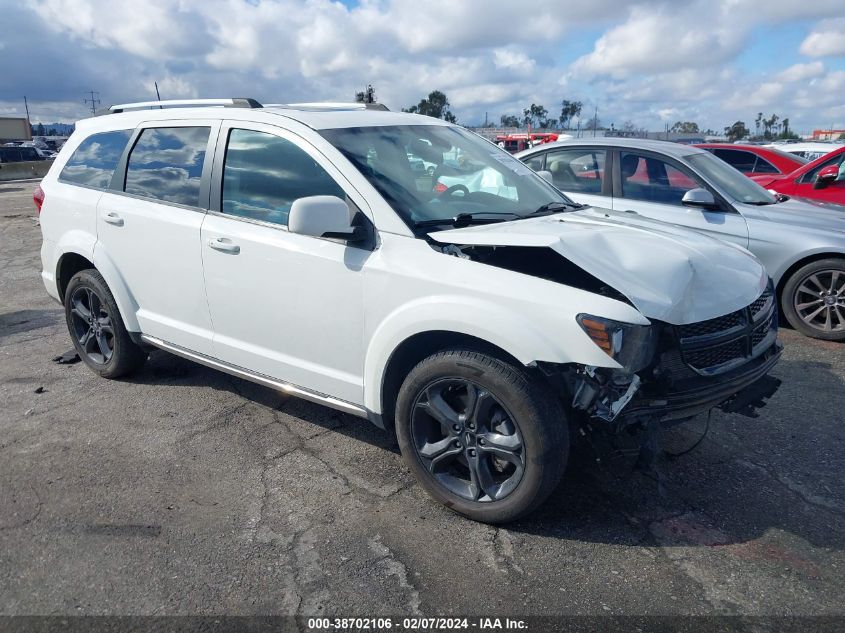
x: 469, y: 306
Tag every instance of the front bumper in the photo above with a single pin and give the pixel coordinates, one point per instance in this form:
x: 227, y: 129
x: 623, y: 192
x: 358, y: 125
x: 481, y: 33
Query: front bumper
x: 739, y: 391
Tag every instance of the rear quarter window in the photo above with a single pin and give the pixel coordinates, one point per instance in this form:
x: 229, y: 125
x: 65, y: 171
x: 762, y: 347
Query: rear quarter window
x: 166, y: 164
x: 92, y: 164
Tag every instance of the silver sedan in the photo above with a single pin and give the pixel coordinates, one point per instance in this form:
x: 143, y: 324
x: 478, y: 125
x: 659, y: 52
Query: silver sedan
x: 801, y: 242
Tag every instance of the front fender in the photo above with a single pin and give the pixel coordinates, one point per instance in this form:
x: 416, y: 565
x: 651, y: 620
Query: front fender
x: 480, y: 318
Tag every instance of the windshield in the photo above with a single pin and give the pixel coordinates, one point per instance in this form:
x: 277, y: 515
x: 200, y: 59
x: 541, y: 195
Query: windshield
x: 731, y: 181
x: 435, y: 172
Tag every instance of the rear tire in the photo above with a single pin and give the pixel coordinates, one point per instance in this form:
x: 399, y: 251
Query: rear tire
x: 813, y: 299
x: 96, y: 327
x: 482, y: 436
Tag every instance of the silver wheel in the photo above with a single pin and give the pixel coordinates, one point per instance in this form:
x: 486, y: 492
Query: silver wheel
x: 819, y: 300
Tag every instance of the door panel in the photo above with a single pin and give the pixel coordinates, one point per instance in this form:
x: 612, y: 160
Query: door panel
x: 155, y: 243
x: 285, y: 305
x: 834, y: 192
x: 653, y: 187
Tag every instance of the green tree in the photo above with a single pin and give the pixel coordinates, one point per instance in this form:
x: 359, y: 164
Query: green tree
x: 685, y: 127
x: 509, y: 120
x: 435, y: 105
x: 736, y: 131
x: 536, y: 116
x: 367, y: 95
x: 568, y: 111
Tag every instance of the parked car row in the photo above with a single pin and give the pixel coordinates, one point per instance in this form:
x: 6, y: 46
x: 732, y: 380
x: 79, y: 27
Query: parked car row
x: 20, y: 152
x: 475, y: 311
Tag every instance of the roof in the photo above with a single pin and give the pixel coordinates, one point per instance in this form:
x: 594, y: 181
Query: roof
x: 664, y: 147
x: 315, y: 116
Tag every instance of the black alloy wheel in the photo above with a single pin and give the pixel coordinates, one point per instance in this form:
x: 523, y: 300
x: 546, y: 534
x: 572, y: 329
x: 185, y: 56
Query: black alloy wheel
x: 468, y: 440
x: 92, y: 325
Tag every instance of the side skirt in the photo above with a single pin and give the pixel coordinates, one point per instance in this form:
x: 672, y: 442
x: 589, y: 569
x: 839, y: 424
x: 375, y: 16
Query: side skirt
x: 261, y: 379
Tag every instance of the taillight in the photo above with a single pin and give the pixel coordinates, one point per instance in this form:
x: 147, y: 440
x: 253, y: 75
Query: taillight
x: 440, y: 187
x: 38, y: 198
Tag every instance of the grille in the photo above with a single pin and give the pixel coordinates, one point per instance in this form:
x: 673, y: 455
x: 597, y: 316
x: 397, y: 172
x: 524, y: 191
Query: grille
x: 761, y: 302
x: 717, y: 345
x: 761, y: 331
x: 713, y: 326
x: 717, y: 355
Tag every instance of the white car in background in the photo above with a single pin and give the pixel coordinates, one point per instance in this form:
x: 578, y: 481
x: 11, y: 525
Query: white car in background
x: 810, y: 151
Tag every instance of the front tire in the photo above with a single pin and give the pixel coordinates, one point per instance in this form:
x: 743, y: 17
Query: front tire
x: 97, y: 329
x: 482, y: 436
x: 813, y: 299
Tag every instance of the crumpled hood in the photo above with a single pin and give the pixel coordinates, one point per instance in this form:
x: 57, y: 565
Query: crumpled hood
x: 669, y: 273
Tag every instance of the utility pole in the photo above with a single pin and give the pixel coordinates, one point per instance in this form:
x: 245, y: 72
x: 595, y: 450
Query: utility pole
x: 94, y: 101
x: 26, y: 107
x: 595, y: 119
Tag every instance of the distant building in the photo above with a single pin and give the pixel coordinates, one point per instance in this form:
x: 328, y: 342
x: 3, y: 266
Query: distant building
x: 827, y: 135
x: 14, y: 129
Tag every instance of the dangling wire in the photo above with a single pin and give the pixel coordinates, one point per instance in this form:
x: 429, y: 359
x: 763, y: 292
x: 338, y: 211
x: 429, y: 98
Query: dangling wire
x: 699, y: 441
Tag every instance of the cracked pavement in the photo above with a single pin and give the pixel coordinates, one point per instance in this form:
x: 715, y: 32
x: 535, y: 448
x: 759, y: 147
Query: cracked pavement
x: 186, y: 491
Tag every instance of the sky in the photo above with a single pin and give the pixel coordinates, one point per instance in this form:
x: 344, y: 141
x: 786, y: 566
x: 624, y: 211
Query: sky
x: 650, y: 62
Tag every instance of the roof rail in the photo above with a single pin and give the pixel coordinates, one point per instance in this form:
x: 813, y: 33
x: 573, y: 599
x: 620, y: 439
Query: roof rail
x: 239, y: 102
x: 320, y: 106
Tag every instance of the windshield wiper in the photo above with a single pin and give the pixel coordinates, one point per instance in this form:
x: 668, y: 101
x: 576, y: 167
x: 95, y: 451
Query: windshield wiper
x: 554, y: 207
x: 466, y: 219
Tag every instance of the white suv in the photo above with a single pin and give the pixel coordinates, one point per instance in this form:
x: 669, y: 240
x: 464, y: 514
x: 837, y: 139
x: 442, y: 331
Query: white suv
x: 484, y: 322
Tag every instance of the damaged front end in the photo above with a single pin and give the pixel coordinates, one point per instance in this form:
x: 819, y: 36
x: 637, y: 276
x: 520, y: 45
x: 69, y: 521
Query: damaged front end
x: 671, y: 373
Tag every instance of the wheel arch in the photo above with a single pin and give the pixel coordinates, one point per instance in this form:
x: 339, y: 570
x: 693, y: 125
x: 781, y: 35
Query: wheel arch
x: 419, y: 346
x: 68, y: 265
x: 72, y: 261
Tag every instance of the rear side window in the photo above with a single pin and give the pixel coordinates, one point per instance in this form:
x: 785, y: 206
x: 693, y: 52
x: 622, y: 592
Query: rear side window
x: 94, y: 161
x: 577, y: 169
x: 264, y: 174
x: 743, y: 161
x: 762, y: 166
x: 166, y: 164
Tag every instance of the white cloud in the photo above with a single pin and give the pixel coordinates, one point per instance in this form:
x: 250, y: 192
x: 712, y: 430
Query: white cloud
x: 799, y: 72
x: 663, y: 38
x: 827, y: 39
x: 653, y: 61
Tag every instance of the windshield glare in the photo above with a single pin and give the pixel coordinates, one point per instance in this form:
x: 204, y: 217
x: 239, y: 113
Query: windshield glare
x: 731, y: 181
x: 433, y: 172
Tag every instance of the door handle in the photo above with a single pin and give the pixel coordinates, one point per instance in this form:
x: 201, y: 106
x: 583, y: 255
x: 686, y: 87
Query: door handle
x: 113, y: 218
x: 224, y: 245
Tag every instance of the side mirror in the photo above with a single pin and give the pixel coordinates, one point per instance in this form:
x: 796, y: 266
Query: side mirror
x: 547, y: 176
x: 324, y: 216
x: 826, y: 176
x: 699, y: 198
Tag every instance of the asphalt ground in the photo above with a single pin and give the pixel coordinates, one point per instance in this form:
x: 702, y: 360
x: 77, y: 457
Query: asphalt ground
x: 185, y: 491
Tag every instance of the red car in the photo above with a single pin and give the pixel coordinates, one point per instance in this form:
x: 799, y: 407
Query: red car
x: 822, y: 179
x: 753, y: 160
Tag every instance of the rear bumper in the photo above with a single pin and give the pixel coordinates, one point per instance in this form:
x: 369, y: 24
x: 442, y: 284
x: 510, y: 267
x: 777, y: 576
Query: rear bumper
x: 740, y: 391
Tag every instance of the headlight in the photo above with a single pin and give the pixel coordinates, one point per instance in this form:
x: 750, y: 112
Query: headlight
x: 632, y: 346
